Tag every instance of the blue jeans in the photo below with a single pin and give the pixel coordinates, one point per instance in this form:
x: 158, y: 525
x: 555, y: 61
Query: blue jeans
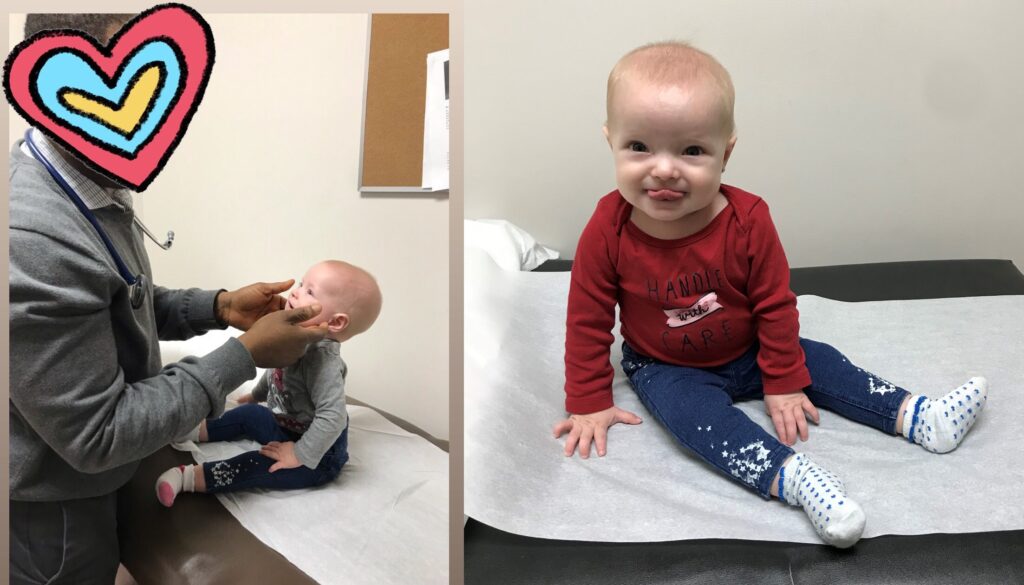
x: 696, y: 406
x: 252, y: 470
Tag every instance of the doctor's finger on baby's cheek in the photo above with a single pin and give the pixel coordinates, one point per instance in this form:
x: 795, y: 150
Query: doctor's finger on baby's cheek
x: 279, y: 287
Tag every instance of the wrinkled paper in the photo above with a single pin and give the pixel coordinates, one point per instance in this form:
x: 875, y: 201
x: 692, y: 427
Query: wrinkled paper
x: 648, y: 488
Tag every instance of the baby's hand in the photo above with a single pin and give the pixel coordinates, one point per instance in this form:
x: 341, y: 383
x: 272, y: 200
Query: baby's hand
x: 787, y: 412
x: 246, y: 399
x: 584, y: 428
x: 284, y: 453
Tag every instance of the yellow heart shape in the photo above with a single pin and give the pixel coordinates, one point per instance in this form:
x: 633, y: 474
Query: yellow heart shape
x: 129, y: 115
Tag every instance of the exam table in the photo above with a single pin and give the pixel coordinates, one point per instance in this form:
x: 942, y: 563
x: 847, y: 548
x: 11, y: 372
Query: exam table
x: 496, y: 557
x: 201, y: 543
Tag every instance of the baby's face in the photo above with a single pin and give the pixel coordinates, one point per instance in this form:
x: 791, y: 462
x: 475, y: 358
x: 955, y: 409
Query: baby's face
x: 318, y: 285
x: 669, y: 144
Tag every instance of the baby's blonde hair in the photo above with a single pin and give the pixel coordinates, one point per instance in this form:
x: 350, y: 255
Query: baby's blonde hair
x: 359, y: 297
x: 675, y: 63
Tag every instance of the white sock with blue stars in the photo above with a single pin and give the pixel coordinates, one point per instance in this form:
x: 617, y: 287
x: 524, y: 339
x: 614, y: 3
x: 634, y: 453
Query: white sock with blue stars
x: 939, y: 424
x: 838, y: 520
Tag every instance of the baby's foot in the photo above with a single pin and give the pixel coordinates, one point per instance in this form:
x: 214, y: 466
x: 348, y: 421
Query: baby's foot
x: 174, y: 481
x: 837, y: 519
x: 940, y: 424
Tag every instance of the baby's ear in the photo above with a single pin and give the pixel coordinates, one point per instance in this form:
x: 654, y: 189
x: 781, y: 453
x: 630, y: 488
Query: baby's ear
x: 728, y: 149
x: 337, y: 323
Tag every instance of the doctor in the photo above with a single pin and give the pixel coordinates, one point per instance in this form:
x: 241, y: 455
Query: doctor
x: 88, y: 396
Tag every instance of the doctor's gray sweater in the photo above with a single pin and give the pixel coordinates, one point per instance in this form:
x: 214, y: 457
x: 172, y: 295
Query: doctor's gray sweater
x: 88, y: 396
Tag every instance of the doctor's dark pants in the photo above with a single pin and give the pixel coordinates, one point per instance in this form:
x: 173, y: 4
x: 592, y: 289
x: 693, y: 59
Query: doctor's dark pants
x: 64, y: 542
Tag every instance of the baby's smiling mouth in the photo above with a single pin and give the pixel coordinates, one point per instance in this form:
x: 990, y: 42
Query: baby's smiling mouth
x: 664, y: 194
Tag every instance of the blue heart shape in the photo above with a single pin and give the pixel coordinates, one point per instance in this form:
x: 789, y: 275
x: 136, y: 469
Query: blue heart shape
x: 63, y: 70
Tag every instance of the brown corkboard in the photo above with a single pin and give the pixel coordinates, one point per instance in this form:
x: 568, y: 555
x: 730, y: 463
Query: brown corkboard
x: 396, y: 85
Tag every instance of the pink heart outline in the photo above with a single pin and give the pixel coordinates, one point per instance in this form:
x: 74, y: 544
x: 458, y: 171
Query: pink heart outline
x: 178, y: 25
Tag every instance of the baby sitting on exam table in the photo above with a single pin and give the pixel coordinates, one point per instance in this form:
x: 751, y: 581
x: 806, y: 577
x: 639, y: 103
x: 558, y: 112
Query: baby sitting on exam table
x: 701, y: 281
x: 304, y: 426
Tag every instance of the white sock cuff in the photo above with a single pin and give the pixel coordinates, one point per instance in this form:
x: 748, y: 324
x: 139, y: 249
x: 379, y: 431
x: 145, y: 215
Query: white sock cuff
x: 789, y: 478
x: 188, y: 478
x: 912, y: 417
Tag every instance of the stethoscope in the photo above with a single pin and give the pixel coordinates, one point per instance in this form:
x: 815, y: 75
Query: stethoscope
x: 137, y: 285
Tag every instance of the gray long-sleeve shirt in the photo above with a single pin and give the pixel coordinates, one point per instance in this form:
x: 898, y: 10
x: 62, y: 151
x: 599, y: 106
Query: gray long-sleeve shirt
x: 309, y: 398
x: 88, y: 396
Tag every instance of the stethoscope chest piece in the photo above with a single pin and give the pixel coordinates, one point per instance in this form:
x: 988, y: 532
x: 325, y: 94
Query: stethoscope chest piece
x: 137, y: 290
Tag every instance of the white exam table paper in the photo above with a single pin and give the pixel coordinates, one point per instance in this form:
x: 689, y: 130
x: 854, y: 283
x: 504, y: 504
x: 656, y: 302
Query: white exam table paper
x: 383, y: 521
x: 647, y: 488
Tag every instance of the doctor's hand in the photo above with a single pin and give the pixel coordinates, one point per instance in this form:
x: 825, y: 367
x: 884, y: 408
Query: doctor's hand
x: 584, y: 428
x: 787, y: 412
x: 243, y: 307
x: 278, y: 340
x: 283, y: 453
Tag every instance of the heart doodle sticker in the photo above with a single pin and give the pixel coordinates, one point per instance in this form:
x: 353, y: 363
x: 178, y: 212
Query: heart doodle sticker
x: 123, y: 108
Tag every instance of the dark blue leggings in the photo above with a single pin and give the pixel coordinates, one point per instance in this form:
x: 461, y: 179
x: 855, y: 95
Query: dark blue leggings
x: 696, y: 405
x: 252, y: 470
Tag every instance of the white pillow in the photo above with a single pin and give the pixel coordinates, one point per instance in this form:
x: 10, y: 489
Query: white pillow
x: 509, y: 246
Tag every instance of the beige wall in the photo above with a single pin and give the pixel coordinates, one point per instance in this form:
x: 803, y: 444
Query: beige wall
x: 878, y: 131
x: 264, y: 184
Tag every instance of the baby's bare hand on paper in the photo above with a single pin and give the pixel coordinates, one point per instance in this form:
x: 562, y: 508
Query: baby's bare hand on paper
x: 787, y: 412
x: 585, y: 429
x: 283, y: 453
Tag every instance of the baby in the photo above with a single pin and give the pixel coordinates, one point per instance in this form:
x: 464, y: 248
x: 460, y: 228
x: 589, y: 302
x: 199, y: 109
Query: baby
x: 304, y: 427
x: 708, y: 318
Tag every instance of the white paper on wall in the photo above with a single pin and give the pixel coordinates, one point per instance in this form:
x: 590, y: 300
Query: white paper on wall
x: 435, y: 123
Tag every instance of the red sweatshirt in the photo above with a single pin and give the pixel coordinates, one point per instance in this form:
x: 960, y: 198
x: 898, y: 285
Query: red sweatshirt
x: 699, y: 301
